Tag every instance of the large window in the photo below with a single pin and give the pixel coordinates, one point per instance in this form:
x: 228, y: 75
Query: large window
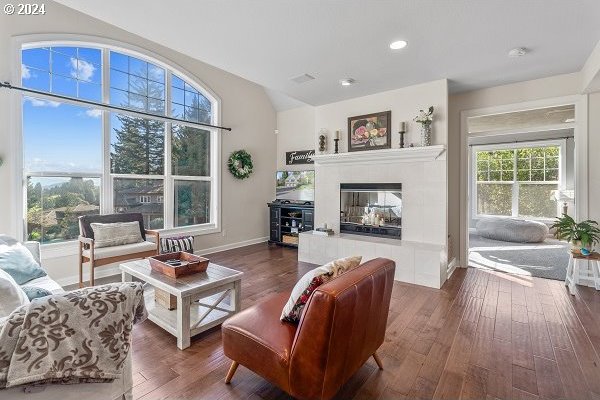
x: 517, y: 181
x: 79, y: 160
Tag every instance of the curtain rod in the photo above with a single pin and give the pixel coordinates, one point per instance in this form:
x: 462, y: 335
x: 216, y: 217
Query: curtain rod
x: 7, y: 85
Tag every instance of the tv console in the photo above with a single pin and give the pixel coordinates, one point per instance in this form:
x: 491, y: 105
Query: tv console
x: 287, y: 219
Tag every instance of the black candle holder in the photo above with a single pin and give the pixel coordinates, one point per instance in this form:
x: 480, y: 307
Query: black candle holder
x: 336, y: 145
x: 401, y: 139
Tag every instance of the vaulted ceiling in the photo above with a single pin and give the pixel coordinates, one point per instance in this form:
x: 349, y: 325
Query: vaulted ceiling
x: 271, y: 41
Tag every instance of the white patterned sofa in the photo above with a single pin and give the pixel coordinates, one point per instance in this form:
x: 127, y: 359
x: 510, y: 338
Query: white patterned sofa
x: 118, y: 389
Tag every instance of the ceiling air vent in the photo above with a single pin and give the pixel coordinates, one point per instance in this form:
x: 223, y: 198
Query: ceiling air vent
x: 302, y: 78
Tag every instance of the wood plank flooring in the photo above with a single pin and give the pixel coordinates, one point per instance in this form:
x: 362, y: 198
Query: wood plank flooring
x: 484, y: 335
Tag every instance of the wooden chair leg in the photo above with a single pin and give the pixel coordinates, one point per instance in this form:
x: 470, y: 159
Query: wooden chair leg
x: 378, y: 360
x: 80, y: 272
x: 232, y: 369
x: 91, y: 273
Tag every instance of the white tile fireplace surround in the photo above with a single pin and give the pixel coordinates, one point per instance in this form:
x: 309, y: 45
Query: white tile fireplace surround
x: 421, y: 255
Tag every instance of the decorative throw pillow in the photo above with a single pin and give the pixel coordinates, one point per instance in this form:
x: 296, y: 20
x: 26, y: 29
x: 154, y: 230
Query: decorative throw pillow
x: 175, y: 244
x: 34, y: 292
x: 312, y: 280
x: 116, y: 234
x: 19, y: 263
x: 11, y: 295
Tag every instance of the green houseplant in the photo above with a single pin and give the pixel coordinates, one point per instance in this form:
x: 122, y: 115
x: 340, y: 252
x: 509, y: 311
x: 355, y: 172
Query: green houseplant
x: 582, y: 235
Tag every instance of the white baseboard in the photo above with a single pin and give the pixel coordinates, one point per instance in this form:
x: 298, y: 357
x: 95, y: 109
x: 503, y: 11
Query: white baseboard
x: 104, y: 272
x: 451, y: 267
x: 230, y: 246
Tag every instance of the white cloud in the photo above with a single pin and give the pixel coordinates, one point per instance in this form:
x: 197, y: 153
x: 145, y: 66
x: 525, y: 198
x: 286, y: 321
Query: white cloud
x: 94, y: 113
x: 42, y: 103
x: 82, y: 70
x: 25, y: 72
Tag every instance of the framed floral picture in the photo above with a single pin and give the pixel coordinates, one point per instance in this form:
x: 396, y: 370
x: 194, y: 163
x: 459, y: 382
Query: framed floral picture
x: 370, y: 132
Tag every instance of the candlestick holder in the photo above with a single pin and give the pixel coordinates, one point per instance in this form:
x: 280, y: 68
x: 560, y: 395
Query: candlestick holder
x: 336, y: 145
x: 402, y: 139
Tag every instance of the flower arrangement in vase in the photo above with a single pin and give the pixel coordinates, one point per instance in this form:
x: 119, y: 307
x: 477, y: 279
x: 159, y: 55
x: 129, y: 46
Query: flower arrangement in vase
x: 425, y: 118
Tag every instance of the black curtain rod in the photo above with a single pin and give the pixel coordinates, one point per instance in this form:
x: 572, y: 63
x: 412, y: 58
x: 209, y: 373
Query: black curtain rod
x: 7, y: 85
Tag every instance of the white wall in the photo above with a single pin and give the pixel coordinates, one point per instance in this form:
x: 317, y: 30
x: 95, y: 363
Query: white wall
x: 245, y: 108
x: 296, y: 132
x: 593, y: 152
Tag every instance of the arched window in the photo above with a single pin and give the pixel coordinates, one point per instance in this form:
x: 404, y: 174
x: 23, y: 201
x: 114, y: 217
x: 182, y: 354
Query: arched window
x: 81, y: 160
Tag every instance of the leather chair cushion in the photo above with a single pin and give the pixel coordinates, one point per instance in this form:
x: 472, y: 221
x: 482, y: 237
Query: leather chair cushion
x: 258, y: 340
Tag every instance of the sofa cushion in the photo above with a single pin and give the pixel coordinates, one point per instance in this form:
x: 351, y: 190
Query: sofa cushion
x: 257, y: 339
x: 11, y: 295
x: 307, y: 284
x: 46, y: 283
x: 19, y: 263
x: 114, y: 251
x: 85, y: 228
x: 116, y: 233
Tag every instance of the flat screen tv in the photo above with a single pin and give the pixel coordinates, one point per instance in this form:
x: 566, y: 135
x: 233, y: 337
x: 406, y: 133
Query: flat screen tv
x: 295, y: 185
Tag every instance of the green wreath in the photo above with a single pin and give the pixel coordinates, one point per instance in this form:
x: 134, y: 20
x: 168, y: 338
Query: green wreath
x: 240, y: 164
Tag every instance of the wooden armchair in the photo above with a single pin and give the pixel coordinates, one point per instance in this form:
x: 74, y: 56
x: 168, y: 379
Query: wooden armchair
x: 108, y: 255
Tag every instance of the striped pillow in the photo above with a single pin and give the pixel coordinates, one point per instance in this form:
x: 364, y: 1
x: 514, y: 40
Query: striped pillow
x: 175, y: 244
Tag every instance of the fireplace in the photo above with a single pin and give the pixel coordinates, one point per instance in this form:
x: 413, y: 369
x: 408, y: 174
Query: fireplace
x: 371, y: 209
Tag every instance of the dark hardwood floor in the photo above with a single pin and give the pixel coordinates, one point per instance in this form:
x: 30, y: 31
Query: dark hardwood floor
x: 484, y: 335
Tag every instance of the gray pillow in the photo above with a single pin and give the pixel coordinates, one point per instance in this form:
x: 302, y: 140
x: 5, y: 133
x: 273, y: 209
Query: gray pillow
x: 19, y: 263
x: 116, y: 234
x: 34, y: 292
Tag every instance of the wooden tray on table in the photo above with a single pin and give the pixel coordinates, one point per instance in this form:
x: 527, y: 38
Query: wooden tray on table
x: 178, y: 264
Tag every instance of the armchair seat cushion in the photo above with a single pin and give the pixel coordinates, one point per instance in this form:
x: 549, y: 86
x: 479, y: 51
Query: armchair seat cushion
x: 259, y: 340
x: 115, y: 251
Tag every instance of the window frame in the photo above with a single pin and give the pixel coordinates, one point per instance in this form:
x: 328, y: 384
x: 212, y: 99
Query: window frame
x: 19, y: 43
x: 562, y: 173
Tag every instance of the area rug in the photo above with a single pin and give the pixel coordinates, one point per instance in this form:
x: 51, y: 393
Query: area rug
x: 548, y: 259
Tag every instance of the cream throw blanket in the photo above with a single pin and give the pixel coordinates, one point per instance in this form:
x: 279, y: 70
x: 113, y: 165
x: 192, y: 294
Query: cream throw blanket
x: 79, y: 336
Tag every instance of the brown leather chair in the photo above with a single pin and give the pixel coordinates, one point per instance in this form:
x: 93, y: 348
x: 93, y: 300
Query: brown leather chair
x: 342, y: 326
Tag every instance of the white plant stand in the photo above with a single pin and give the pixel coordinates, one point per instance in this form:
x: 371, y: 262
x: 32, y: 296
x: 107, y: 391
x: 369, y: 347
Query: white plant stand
x: 576, y: 270
x: 204, y: 299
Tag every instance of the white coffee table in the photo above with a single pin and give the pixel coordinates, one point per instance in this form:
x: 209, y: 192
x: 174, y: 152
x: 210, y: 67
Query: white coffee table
x: 204, y: 299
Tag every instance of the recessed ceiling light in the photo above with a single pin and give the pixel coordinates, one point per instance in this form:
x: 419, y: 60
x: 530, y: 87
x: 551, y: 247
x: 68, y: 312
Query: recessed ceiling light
x: 517, y: 52
x: 347, y: 82
x: 398, y: 44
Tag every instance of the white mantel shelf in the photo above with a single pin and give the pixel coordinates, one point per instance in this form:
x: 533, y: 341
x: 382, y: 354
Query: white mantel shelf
x: 408, y: 154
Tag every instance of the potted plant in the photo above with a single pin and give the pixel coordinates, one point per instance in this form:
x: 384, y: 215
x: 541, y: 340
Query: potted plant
x: 582, y: 235
x: 425, y: 118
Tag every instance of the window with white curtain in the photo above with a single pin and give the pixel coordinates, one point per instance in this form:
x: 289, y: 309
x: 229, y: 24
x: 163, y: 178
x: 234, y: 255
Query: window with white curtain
x: 81, y: 160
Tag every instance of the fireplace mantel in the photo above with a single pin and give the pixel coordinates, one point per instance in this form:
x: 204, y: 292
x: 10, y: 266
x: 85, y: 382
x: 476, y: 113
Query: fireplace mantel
x: 409, y: 154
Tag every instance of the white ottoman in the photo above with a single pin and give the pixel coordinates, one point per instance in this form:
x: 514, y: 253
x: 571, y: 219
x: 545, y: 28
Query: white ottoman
x: 512, y: 230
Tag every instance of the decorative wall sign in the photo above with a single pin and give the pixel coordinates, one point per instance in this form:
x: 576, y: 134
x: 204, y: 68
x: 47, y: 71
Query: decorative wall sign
x: 299, y: 157
x: 370, y: 132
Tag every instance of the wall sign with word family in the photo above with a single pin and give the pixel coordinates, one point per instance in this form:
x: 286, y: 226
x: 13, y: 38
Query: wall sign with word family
x: 299, y: 157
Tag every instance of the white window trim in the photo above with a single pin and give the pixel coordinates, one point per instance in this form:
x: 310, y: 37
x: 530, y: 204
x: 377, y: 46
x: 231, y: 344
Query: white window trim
x: 23, y: 41
x: 562, y: 171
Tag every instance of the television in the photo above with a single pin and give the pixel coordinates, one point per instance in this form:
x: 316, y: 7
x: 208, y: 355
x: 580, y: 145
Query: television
x: 295, y: 185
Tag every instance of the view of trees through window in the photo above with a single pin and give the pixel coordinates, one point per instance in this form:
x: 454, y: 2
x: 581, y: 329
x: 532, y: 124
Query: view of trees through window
x: 63, y: 143
x: 518, y: 182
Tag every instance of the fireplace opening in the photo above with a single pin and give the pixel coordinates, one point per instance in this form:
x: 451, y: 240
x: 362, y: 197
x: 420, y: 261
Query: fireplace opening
x: 371, y: 209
